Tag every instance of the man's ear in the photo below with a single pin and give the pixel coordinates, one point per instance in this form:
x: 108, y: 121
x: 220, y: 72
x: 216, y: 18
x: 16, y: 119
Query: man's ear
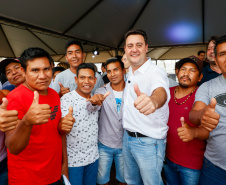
x: 76, y: 79
x: 95, y: 80
x: 200, y: 77
x: 215, y: 58
x: 83, y: 57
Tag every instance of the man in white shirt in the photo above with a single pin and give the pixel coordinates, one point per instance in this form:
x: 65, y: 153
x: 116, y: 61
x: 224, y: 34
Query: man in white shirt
x: 64, y: 82
x: 145, y: 114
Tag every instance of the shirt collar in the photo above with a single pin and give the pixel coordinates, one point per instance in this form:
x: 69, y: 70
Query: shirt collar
x: 142, y: 69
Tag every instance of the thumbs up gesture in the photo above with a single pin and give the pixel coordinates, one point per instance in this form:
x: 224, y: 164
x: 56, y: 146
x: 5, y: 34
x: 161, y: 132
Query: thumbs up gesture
x: 144, y: 103
x: 186, y: 133
x: 97, y: 99
x: 37, y: 113
x: 63, y: 90
x: 208, y: 117
x: 8, y: 118
x: 66, y: 123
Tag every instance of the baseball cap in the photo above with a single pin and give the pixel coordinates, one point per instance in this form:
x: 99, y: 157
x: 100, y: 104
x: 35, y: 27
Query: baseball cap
x: 192, y: 59
x: 5, y: 63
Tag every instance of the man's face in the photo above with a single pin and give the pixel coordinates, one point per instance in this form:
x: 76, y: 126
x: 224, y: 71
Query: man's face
x: 85, y: 82
x: 188, y: 75
x: 125, y: 61
x: 115, y: 73
x: 135, y: 50
x: 103, y: 69
x: 15, y: 74
x: 202, y: 56
x: 38, y: 75
x: 210, y: 53
x: 74, y: 56
x: 55, y: 74
x: 221, y: 58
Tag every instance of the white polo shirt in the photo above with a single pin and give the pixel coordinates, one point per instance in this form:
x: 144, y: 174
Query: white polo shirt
x: 148, y: 77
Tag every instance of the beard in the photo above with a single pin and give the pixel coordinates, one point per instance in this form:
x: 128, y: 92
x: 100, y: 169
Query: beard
x: 183, y: 85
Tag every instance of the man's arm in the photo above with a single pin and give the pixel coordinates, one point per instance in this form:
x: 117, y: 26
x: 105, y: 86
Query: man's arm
x: 149, y: 104
x: 205, y: 115
x: 3, y: 93
x: 17, y: 139
x: 64, y: 169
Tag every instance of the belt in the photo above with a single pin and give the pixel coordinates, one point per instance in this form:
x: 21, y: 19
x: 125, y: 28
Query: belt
x: 134, y: 134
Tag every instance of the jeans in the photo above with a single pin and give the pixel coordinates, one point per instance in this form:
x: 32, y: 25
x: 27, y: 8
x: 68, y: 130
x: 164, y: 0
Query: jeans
x: 211, y: 174
x: 143, y: 160
x: 3, y: 172
x: 84, y: 175
x: 178, y: 175
x: 107, y: 155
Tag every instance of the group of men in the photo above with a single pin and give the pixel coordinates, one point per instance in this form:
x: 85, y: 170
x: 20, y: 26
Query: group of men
x: 135, y: 120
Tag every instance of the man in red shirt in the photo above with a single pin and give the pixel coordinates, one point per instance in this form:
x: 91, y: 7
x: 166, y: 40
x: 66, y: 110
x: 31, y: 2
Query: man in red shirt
x: 183, y: 159
x: 35, y: 145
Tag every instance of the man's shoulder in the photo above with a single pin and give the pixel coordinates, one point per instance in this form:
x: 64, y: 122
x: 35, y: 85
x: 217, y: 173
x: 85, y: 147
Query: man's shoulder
x: 17, y: 91
x: 103, y: 89
x: 63, y: 73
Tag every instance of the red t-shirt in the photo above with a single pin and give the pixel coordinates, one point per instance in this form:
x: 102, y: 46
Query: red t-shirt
x: 187, y: 154
x: 40, y: 162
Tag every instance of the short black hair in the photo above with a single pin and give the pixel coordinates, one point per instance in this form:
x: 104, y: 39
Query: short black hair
x: 114, y: 60
x: 55, y: 69
x: 220, y: 40
x: 33, y: 53
x: 201, y: 51
x: 103, y: 64
x: 136, y: 32
x: 85, y: 66
x: 73, y: 42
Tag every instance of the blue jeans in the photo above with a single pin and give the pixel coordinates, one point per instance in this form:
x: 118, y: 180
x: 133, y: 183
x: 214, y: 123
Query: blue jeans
x: 143, y: 160
x: 3, y: 172
x: 84, y: 175
x: 178, y: 175
x: 107, y: 155
x: 211, y: 174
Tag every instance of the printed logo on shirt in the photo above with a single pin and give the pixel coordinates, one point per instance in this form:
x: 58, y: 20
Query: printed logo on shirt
x: 53, y: 113
x: 221, y: 99
x: 118, y: 103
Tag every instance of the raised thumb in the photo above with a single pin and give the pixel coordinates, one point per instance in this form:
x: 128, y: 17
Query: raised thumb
x: 70, y: 111
x: 36, y: 97
x: 106, y: 94
x: 60, y: 84
x: 4, y: 103
x: 182, y: 121
x: 213, y: 103
x: 137, y: 90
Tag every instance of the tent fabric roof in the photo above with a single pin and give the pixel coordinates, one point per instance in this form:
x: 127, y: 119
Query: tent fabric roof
x: 176, y: 28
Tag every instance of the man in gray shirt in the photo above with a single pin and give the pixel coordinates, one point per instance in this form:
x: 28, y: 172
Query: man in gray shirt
x: 65, y: 81
x: 110, y: 122
x: 209, y: 111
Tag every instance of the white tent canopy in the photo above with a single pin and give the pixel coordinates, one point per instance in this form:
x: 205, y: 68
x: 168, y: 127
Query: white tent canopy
x: 175, y: 28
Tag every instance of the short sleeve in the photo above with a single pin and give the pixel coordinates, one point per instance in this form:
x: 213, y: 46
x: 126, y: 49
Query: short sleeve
x: 14, y: 104
x: 202, y: 93
x: 65, y: 104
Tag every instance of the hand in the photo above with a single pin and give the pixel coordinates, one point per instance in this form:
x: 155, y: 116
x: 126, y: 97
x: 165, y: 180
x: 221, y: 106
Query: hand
x: 66, y: 123
x: 63, y: 90
x: 186, y: 133
x: 209, y: 118
x: 97, y: 99
x: 144, y: 103
x: 37, y: 113
x: 8, y: 118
